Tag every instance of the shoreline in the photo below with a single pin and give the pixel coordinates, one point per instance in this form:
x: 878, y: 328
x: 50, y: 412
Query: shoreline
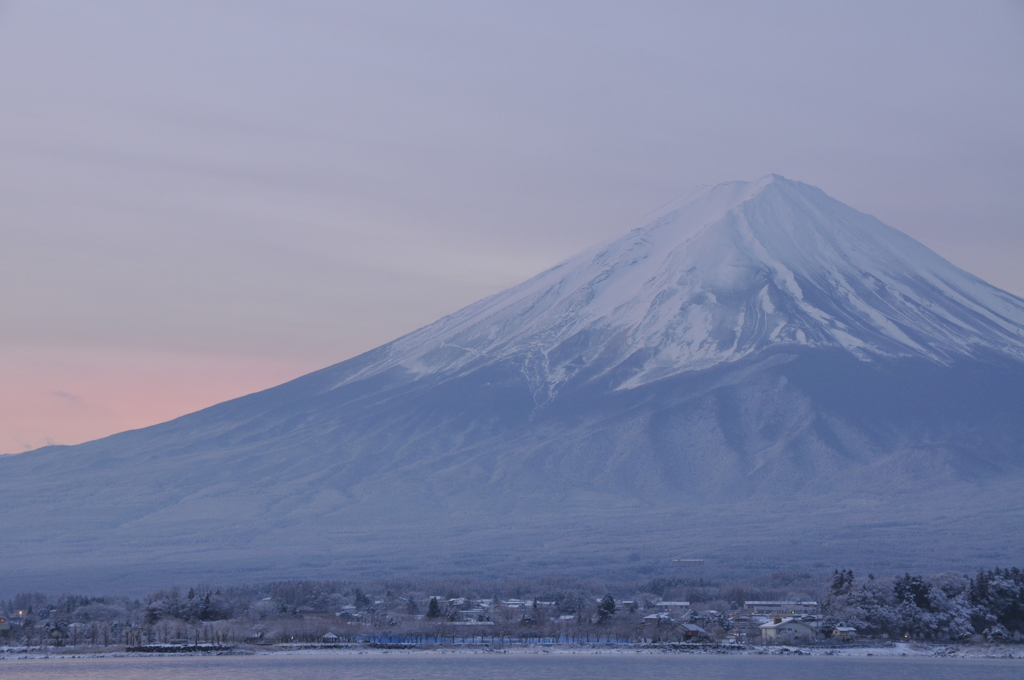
x: 883, y: 650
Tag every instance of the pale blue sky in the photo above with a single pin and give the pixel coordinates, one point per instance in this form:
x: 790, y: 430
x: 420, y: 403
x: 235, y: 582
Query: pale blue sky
x: 274, y: 187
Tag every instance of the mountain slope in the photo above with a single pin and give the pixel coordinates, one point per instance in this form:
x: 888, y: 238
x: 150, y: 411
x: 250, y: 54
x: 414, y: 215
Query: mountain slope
x: 760, y: 375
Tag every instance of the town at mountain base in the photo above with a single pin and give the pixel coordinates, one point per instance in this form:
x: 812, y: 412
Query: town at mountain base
x: 761, y: 377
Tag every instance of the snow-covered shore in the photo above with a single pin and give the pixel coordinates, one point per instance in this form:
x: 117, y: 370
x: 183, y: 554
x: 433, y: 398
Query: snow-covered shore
x: 861, y: 650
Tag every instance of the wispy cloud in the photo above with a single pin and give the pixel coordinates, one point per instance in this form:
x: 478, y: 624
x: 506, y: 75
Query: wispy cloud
x: 68, y: 397
x: 46, y: 441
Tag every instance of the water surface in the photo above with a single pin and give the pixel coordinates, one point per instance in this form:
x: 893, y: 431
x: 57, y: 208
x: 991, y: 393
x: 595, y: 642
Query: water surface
x: 509, y: 667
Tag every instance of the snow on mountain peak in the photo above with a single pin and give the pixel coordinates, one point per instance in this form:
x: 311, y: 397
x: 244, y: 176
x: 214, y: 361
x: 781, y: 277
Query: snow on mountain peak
x: 723, y: 273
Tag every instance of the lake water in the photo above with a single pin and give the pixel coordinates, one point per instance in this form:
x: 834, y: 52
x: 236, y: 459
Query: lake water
x: 510, y: 667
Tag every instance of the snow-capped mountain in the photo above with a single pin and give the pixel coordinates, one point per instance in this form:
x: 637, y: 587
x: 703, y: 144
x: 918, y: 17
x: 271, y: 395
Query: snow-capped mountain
x: 724, y: 273
x: 759, y: 374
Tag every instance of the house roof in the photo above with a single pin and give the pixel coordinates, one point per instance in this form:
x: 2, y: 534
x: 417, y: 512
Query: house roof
x: 787, y: 621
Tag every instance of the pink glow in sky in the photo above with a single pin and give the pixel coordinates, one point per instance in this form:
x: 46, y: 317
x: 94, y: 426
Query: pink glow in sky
x: 67, y: 396
x: 199, y: 200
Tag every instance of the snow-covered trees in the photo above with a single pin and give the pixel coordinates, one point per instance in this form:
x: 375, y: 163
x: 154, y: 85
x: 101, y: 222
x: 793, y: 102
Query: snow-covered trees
x: 606, y: 609
x: 905, y: 606
x: 206, y: 605
x: 842, y: 582
x: 912, y: 590
x: 998, y: 599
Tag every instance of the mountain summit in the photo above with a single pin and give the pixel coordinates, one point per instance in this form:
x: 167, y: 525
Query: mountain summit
x: 760, y: 376
x: 724, y: 273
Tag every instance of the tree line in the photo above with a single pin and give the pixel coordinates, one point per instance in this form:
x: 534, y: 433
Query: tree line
x: 949, y: 606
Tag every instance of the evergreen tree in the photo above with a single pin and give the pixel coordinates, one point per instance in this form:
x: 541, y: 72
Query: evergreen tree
x: 362, y: 601
x: 842, y: 582
x: 606, y: 609
x: 433, y: 609
x: 913, y: 590
x: 206, y: 611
